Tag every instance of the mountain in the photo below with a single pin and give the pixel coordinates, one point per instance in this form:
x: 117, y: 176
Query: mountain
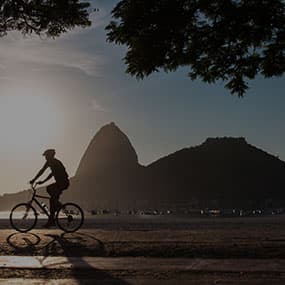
x: 109, y: 150
x: 228, y: 172
x: 109, y: 172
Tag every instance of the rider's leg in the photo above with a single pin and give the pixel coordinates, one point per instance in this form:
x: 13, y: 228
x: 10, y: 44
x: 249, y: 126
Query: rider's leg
x: 55, y: 190
x: 53, y: 206
x: 54, y: 193
x: 60, y: 188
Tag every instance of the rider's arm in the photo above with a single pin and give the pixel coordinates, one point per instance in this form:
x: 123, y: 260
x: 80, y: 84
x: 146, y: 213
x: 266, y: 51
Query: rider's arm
x: 48, y: 178
x: 40, y: 172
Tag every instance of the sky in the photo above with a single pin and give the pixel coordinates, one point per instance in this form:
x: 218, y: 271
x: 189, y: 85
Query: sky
x: 59, y: 93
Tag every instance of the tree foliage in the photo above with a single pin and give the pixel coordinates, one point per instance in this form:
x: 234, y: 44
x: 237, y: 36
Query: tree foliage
x: 228, y: 40
x: 49, y: 17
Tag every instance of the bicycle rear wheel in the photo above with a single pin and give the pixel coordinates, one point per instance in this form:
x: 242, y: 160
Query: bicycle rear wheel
x: 23, y: 217
x: 69, y: 217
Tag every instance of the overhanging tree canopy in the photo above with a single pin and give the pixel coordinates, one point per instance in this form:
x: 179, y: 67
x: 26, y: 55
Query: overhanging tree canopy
x: 229, y: 40
x: 49, y: 17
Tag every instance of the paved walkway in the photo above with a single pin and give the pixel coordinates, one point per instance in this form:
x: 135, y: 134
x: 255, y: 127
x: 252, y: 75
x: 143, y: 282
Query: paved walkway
x: 135, y: 282
x: 235, y: 255
x: 142, y: 264
x: 131, y: 270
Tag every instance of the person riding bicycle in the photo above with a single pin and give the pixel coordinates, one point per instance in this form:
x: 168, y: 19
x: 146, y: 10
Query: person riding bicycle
x: 54, y: 190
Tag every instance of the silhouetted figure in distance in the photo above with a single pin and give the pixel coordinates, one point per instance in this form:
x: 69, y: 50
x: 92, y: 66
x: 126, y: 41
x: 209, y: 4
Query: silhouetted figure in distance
x: 54, y: 190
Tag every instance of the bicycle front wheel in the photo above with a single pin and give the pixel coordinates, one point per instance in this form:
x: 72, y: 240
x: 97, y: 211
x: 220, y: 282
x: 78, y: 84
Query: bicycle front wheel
x: 23, y: 217
x: 69, y: 217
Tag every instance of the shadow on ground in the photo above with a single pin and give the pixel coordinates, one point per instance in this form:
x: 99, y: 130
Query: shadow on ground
x: 55, y: 244
x: 68, y: 245
x: 219, y: 243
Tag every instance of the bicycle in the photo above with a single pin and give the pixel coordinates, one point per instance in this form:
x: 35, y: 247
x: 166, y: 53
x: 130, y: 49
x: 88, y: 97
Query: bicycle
x: 24, y: 216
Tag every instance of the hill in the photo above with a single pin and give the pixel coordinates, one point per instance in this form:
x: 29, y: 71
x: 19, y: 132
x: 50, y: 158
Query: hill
x: 108, y: 174
x: 227, y: 172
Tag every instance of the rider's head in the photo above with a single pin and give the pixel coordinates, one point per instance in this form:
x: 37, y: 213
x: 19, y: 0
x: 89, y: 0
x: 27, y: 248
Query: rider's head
x: 49, y: 154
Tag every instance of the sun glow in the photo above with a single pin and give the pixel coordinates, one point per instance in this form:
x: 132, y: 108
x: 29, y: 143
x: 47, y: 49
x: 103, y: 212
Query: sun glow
x: 28, y: 121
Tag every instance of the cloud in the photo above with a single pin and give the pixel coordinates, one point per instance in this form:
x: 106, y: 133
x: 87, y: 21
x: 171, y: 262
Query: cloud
x: 95, y: 106
x: 79, y: 49
x: 46, y: 53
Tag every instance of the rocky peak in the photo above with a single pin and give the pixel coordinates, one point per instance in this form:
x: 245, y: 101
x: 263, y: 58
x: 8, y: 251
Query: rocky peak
x: 225, y: 140
x: 110, y: 148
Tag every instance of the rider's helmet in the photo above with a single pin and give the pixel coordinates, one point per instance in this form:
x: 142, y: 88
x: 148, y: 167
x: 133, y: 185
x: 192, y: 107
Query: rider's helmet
x: 49, y: 152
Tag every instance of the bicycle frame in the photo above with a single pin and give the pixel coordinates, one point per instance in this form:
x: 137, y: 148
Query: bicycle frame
x: 69, y: 217
x: 35, y: 195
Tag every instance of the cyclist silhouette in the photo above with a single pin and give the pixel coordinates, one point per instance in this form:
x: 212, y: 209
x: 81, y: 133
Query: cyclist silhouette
x: 54, y: 190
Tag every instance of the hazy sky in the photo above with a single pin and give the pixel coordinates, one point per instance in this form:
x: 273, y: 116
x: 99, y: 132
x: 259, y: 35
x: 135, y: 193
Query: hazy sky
x: 58, y: 93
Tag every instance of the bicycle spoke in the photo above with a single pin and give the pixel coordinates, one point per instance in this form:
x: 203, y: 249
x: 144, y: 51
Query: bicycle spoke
x: 70, y: 217
x: 23, y: 217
